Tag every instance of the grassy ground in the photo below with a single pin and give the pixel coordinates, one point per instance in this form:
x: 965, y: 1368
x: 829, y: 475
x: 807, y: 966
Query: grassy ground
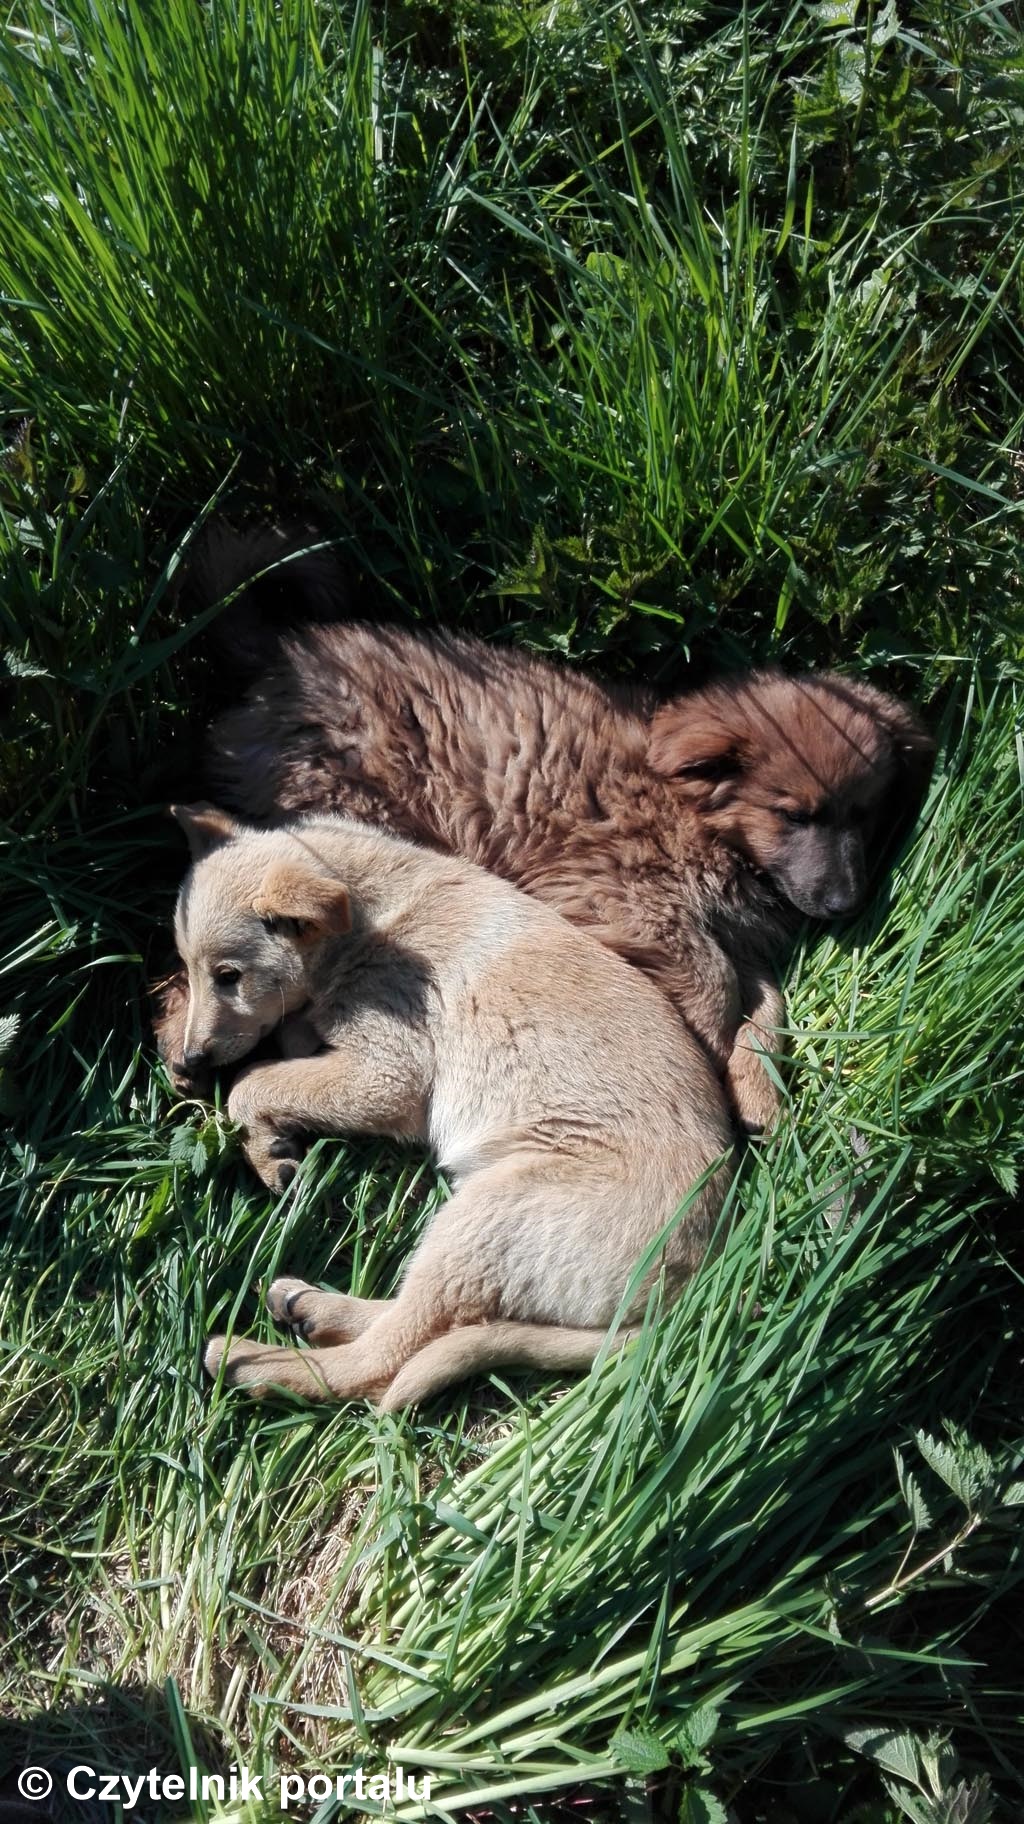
x: 658, y: 345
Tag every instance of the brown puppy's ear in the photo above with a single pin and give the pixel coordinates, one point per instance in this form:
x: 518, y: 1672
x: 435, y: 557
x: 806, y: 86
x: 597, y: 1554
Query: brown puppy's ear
x: 205, y: 826
x: 691, y: 737
x: 315, y: 904
x: 912, y: 744
x: 915, y: 751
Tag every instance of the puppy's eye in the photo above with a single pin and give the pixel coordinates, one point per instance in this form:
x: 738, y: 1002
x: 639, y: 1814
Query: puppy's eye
x: 227, y: 978
x: 797, y: 817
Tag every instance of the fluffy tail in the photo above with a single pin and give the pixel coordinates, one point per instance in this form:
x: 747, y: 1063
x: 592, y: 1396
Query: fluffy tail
x: 269, y: 580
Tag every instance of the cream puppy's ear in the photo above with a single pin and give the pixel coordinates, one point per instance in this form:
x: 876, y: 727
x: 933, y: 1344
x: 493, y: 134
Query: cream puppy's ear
x: 318, y: 905
x: 205, y: 826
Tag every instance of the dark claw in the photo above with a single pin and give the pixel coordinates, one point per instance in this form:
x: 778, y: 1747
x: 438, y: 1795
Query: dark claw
x: 302, y: 1326
x: 285, y: 1174
x: 284, y: 1148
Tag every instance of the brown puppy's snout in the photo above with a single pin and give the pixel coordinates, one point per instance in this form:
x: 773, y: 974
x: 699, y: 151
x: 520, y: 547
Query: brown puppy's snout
x: 825, y: 872
x: 838, y: 902
x: 845, y: 890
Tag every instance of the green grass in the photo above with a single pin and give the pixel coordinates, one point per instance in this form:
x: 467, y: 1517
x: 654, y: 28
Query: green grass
x: 651, y: 345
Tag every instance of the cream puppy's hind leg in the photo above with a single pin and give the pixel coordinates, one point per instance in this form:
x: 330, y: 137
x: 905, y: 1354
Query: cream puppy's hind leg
x: 322, y: 1317
x: 453, y: 1279
x: 477, y: 1348
x: 520, y: 1266
x: 362, y: 1368
x: 441, y: 1290
x: 346, y: 1372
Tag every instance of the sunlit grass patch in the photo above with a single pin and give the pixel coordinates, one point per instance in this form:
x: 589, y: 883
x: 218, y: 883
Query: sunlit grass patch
x: 689, y: 337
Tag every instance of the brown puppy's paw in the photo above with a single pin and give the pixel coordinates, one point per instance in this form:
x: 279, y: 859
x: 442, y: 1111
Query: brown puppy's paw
x: 756, y: 1102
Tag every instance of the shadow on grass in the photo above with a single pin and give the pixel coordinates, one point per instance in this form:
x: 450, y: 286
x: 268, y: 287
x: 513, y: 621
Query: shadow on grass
x: 120, y: 1730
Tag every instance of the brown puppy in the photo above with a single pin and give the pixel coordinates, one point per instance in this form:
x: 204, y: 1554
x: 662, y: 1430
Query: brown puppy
x: 688, y: 838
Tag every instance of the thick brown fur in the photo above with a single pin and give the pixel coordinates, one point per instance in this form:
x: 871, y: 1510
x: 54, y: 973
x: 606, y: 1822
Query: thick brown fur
x: 688, y: 837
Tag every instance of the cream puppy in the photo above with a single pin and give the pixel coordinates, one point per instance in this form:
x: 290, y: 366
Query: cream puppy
x: 417, y: 996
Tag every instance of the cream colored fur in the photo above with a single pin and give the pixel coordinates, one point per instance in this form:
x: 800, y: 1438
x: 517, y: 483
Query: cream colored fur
x: 423, y: 998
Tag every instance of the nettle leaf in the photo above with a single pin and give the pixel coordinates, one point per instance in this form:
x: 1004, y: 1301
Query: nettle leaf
x: 965, y: 1468
x: 699, y: 1806
x: 938, y: 1759
x: 211, y: 1137
x: 889, y: 1749
x: 196, y: 1147
x: 182, y: 1143
x: 850, y: 74
x: 697, y: 1733
x: 886, y: 25
x: 972, y: 1804
x: 18, y: 667
x: 639, y: 1751
x: 917, y: 1809
x: 962, y: 1804
x: 920, y: 1513
x: 1004, y: 1171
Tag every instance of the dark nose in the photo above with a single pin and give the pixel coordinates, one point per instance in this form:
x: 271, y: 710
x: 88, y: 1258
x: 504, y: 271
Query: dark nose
x: 838, y: 901
x: 193, y: 1061
x: 844, y: 892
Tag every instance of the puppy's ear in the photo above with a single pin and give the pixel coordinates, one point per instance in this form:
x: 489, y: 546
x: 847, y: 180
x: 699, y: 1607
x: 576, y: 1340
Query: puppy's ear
x: 912, y: 744
x: 690, y: 738
x: 915, y: 751
x: 315, y: 904
x: 205, y: 826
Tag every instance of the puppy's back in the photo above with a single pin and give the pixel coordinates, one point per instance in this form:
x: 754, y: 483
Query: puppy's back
x: 446, y: 740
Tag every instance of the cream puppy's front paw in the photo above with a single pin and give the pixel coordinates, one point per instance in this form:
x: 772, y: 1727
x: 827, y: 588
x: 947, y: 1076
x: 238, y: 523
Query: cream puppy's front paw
x: 275, y: 1157
x: 272, y: 1146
